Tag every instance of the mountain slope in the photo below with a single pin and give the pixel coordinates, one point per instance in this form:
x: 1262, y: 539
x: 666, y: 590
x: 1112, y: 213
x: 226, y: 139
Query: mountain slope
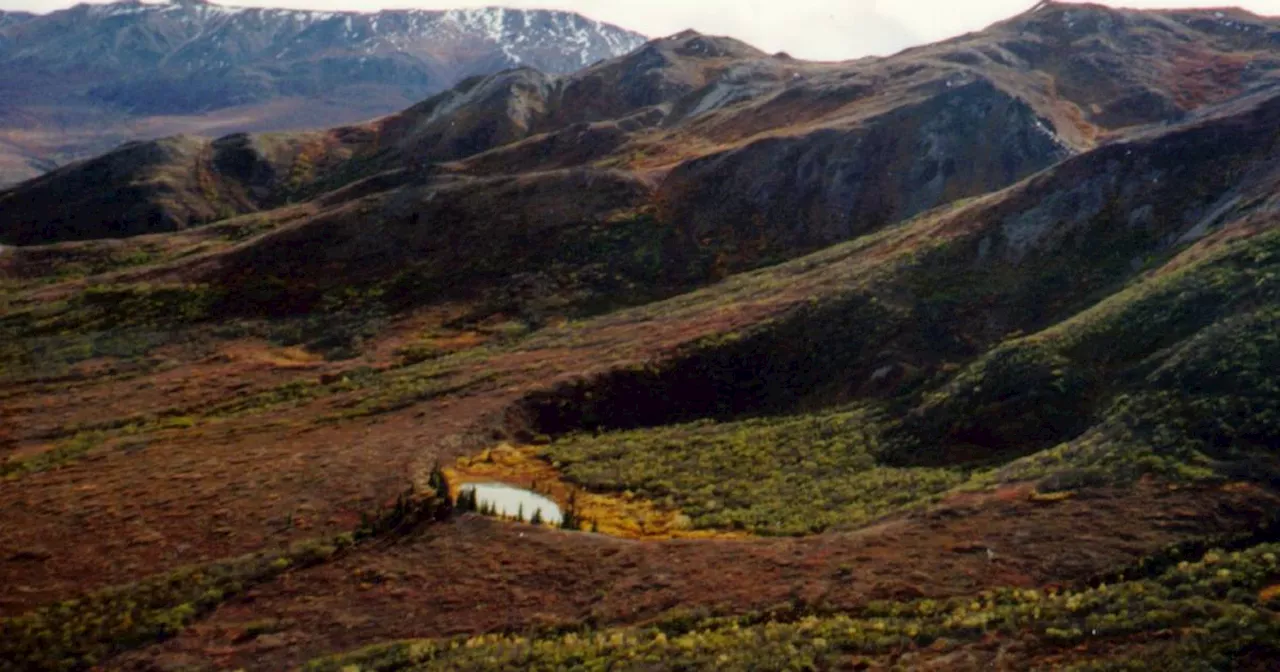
x: 196, y: 65
x: 704, y: 116
x: 909, y: 327
x: 11, y: 18
x: 912, y: 362
x: 1122, y: 68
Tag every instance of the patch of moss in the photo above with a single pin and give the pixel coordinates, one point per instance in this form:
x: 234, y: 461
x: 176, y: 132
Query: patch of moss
x: 127, y: 321
x: 96, y: 259
x: 68, y: 451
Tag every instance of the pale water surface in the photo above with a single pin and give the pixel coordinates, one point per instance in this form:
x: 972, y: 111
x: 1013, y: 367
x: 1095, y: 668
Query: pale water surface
x: 508, y: 501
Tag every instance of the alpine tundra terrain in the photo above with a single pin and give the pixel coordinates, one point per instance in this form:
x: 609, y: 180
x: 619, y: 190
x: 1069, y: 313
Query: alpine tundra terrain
x: 960, y: 359
x: 80, y: 81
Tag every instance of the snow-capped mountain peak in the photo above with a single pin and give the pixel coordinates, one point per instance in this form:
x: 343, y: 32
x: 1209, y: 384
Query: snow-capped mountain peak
x: 227, y: 55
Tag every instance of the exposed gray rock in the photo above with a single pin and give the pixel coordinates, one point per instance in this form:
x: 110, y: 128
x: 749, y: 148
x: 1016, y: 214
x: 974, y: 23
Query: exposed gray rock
x: 834, y: 183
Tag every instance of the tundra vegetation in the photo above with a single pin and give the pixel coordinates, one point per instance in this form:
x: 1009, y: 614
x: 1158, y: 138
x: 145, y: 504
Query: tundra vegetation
x: 960, y: 358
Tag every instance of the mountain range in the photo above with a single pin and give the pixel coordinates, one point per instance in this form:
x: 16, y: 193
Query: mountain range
x: 80, y: 80
x: 960, y: 358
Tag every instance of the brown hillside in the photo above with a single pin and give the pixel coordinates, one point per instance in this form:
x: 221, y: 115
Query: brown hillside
x: 939, y: 361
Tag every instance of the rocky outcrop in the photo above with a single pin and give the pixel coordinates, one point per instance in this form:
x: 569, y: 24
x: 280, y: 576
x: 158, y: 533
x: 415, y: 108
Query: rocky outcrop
x: 1155, y: 192
x: 482, y: 113
x: 809, y: 190
x: 662, y: 71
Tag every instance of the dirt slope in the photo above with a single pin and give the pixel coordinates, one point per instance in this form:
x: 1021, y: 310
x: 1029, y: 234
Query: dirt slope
x: 1046, y: 368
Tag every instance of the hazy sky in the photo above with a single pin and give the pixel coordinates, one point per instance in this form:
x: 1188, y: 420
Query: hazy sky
x: 827, y: 29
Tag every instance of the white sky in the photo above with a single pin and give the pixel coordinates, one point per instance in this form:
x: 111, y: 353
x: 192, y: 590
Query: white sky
x: 819, y: 29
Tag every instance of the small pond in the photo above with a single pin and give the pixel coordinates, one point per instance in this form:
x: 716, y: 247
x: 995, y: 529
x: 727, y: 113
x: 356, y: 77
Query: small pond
x: 509, y: 501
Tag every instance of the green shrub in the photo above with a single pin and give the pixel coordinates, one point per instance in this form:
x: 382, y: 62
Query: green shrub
x: 786, y: 475
x: 1020, y: 396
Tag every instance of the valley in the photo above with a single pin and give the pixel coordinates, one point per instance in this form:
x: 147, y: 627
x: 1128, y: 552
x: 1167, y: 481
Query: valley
x: 956, y: 359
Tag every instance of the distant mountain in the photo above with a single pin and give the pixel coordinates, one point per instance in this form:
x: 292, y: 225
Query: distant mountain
x: 107, y: 66
x: 12, y: 18
x: 761, y: 153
